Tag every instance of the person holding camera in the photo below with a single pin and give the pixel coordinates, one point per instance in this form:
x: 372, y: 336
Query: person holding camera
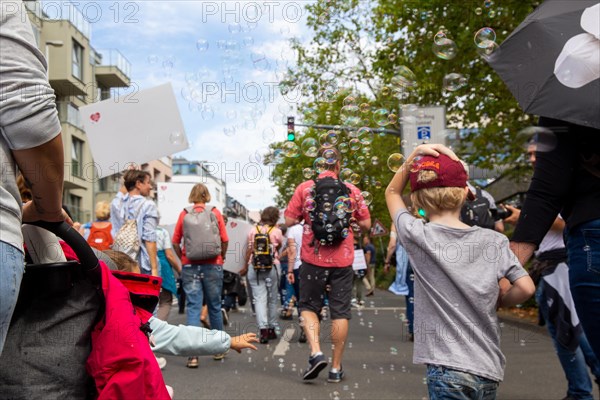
x: 550, y: 273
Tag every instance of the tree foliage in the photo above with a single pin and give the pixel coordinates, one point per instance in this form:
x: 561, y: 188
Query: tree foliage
x: 360, y: 48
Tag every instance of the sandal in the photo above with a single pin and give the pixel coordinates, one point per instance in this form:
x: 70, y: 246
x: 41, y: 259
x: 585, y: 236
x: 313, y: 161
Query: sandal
x: 192, y: 362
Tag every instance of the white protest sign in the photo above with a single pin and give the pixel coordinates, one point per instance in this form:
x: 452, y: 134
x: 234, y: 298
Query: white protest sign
x: 133, y: 129
x: 237, y: 230
x: 360, y: 262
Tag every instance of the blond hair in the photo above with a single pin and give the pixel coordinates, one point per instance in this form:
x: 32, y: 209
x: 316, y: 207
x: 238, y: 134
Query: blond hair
x: 123, y: 261
x: 199, y: 194
x: 437, y: 198
x: 102, y: 211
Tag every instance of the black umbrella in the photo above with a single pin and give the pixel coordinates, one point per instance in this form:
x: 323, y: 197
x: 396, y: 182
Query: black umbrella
x: 551, y: 62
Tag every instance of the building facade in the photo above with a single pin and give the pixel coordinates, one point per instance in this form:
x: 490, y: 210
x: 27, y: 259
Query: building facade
x: 79, y: 75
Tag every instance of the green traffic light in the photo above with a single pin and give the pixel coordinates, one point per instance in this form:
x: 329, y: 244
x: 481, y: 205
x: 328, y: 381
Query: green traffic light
x: 291, y: 136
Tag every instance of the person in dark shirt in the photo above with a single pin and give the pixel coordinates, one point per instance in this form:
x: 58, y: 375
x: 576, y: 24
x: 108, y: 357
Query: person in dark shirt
x: 566, y: 180
x: 369, y: 250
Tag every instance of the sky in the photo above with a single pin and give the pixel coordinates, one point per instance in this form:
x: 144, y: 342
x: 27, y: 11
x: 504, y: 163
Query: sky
x: 224, y: 60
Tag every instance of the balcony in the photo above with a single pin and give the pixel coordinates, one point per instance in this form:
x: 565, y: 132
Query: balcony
x: 69, y: 114
x: 114, y: 70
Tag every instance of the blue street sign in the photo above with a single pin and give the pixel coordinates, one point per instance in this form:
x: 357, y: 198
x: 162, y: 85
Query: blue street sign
x: 424, y: 132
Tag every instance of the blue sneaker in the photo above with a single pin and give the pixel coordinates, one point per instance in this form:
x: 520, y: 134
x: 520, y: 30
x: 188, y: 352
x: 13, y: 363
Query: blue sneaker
x: 315, y: 365
x: 335, y: 377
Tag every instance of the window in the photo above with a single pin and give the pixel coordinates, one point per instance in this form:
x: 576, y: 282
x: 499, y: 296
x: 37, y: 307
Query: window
x: 75, y: 207
x: 76, y: 157
x: 77, y: 61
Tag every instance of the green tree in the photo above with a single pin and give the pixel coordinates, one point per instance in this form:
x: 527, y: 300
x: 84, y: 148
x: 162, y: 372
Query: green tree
x: 381, y: 53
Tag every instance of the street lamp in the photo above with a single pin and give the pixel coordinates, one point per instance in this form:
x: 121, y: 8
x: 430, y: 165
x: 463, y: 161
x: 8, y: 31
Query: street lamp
x: 55, y: 43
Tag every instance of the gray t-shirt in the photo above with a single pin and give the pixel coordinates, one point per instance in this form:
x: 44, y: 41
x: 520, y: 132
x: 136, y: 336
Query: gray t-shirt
x: 28, y: 116
x: 456, y: 291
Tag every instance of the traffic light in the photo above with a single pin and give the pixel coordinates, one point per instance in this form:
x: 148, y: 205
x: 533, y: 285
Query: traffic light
x: 291, y: 132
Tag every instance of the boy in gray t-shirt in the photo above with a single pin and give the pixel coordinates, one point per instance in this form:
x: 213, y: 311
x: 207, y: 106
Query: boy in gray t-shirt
x: 457, y: 270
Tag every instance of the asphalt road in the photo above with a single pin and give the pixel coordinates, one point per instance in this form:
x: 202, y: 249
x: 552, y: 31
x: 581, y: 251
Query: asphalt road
x: 377, y: 362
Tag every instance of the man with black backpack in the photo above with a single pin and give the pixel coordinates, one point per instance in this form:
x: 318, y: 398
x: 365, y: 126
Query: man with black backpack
x: 331, y: 211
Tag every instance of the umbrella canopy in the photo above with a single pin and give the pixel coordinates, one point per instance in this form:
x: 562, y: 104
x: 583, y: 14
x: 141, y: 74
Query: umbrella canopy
x: 551, y: 62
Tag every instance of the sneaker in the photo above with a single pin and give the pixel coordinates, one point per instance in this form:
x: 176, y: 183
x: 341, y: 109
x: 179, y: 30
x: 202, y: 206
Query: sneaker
x: 225, y: 317
x: 316, y: 364
x: 335, y: 377
x: 302, y: 338
x: 219, y: 356
x: 264, y: 336
x: 192, y: 362
x: 162, y: 362
x: 272, y: 334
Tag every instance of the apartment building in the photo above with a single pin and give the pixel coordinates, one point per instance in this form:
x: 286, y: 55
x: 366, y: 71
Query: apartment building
x: 79, y: 75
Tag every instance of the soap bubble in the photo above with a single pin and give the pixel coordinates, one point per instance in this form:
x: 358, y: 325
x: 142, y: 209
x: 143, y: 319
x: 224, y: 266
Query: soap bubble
x: 485, y: 37
x: 368, y: 197
x: 392, y: 118
x: 354, y: 144
x: 445, y: 49
x: 395, y: 161
x: 202, y: 45
x: 355, y: 178
x: 365, y: 135
x: 345, y: 174
x: 268, y: 134
x: 375, y: 160
x: 441, y: 35
x: 478, y: 11
x: 365, y: 108
x: 343, y: 148
x: 330, y: 156
x: 320, y: 165
x: 308, y: 173
x: 310, y: 204
x: 290, y: 149
x: 485, y: 52
x: 404, y: 77
x: 488, y: 3
x: 349, y: 101
x: 310, y: 147
x: 454, y: 81
x: 380, y: 117
x: 329, y: 139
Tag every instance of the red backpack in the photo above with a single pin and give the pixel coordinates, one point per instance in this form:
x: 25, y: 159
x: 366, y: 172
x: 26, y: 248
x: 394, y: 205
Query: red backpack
x: 100, y: 238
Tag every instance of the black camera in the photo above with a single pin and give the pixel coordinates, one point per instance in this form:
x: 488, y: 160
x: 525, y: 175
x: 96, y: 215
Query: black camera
x: 501, y: 213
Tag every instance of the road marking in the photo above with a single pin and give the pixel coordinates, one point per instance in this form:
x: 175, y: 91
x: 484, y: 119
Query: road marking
x: 380, y: 309
x: 284, y: 345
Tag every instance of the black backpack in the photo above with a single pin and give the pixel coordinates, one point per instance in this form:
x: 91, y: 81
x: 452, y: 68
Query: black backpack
x: 262, y: 251
x: 477, y: 212
x: 330, y: 221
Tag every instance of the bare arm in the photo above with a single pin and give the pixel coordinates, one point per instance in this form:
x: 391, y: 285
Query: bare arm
x: 153, y: 254
x: 173, y: 260
x: 523, y: 251
x: 521, y: 290
x: 224, y: 246
x: 292, y: 254
x: 177, y: 249
x: 365, y: 224
x: 43, y: 170
x: 291, y: 221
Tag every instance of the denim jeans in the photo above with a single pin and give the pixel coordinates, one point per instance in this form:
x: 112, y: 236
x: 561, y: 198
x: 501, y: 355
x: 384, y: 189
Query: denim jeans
x: 572, y: 362
x: 11, y: 273
x: 200, y: 281
x: 265, y: 296
x: 449, y: 384
x: 583, y: 251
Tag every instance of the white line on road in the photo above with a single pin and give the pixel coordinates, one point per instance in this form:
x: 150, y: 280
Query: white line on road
x: 284, y: 343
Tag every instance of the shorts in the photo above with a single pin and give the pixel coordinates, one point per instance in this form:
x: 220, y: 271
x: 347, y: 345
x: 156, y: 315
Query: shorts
x: 333, y: 282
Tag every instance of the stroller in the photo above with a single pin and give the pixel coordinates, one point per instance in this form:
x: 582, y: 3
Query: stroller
x: 75, y: 332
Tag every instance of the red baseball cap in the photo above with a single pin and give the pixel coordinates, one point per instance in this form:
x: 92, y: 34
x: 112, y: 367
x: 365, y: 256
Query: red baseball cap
x: 450, y: 173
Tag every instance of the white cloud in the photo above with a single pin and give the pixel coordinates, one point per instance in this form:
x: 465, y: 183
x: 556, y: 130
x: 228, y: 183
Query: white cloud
x: 166, y: 33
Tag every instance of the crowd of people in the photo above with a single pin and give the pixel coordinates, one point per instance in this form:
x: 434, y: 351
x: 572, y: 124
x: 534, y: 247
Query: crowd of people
x: 440, y: 237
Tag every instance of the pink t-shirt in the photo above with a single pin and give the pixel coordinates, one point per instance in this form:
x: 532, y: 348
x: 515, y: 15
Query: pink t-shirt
x: 275, y: 236
x: 341, y: 255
